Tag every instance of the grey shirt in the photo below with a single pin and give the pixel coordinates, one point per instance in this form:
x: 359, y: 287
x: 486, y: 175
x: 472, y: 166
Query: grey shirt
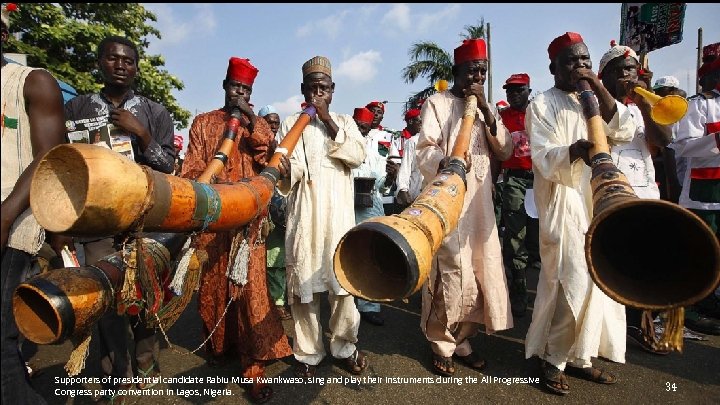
x: 95, y: 108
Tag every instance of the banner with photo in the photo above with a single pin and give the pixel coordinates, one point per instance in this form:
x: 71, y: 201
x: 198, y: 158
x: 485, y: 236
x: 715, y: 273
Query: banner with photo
x: 645, y: 27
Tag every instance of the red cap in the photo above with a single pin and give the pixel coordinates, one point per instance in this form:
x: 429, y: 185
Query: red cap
x: 517, y: 78
x: 178, y: 141
x: 710, y: 58
x: 711, y: 52
x: 241, y: 70
x: 376, y: 104
x: 562, y: 42
x: 471, y: 49
x: 412, y: 113
x: 708, y: 67
x: 363, y: 115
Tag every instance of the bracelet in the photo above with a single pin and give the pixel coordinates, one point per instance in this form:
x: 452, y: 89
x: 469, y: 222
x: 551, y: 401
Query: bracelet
x: 284, y: 151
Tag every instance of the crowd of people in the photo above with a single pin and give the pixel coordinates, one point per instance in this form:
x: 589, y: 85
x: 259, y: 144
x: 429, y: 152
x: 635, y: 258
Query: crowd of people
x: 345, y: 169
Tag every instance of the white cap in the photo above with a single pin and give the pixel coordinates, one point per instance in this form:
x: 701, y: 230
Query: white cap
x: 666, y: 81
x: 614, y: 52
x: 268, y: 109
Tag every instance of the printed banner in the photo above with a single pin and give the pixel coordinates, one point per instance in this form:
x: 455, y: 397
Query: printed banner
x: 645, y: 27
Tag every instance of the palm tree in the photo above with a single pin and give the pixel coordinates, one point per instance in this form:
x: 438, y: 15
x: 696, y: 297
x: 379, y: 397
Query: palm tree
x: 434, y: 63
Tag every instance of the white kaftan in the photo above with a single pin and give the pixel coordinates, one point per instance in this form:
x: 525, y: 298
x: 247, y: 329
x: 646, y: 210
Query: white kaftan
x: 635, y: 161
x: 563, y: 197
x: 409, y: 177
x: 469, y: 261
x: 374, y: 166
x: 320, y: 206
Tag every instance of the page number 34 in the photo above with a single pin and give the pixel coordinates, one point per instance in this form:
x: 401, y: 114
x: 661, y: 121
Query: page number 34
x: 670, y: 387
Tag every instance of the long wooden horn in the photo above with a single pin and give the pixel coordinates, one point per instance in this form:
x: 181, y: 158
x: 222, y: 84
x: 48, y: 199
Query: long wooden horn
x: 647, y: 254
x: 388, y: 258
x: 87, y: 190
x: 66, y: 302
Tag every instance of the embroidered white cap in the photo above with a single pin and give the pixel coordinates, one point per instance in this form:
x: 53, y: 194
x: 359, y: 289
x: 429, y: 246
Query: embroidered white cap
x: 666, y: 81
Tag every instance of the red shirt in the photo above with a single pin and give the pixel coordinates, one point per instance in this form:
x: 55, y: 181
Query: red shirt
x: 514, y: 121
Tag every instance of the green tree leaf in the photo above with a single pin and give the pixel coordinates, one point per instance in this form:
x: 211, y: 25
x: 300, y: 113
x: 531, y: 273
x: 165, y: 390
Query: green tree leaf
x: 63, y: 38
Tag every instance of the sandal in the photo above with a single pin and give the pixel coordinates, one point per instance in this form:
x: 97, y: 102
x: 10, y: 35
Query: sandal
x: 357, y: 362
x: 305, y: 370
x: 283, y: 312
x: 443, y: 365
x: 592, y: 374
x: 473, y: 361
x: 554, y: 379
x: 150, y: 377
x: 259, y: 393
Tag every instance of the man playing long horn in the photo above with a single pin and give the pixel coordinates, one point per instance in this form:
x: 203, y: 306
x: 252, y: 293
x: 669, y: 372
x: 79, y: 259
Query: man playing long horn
x: 573, y: 320
x: 620, y: 72
x: 467, y: 285
x: 235, y: 268
x: 319, y: 212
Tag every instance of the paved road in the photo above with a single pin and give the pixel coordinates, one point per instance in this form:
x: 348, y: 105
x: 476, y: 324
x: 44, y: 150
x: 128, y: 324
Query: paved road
x: 399, y: 350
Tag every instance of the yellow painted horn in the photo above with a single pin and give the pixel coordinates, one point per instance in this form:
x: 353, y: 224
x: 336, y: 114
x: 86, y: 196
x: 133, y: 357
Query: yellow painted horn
x: 441, y: 85
x: 389, y: 257
x: 665, y: 110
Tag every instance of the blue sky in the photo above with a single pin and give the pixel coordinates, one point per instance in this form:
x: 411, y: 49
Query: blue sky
x: 367, y: 45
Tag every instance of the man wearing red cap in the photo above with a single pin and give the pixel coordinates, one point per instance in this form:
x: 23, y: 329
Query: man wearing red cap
x: 320, y: 211
x: 251, y: 328
x: 573, y: 320
x: 150, y: 129
x: 467, y: 280
x: 409, y: 182
x: 384, y: 172
x: 517, y: 178
x: 698, y: 142
x: 384, y: 140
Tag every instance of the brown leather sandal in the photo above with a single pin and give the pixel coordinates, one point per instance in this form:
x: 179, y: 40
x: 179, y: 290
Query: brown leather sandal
x: 304, y: 370
x: 592, y: 374
x: 443, y: 365
x: 553, y: 379
x: 473, y: 360
x: 259, y: 393
x: 357, y: 362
